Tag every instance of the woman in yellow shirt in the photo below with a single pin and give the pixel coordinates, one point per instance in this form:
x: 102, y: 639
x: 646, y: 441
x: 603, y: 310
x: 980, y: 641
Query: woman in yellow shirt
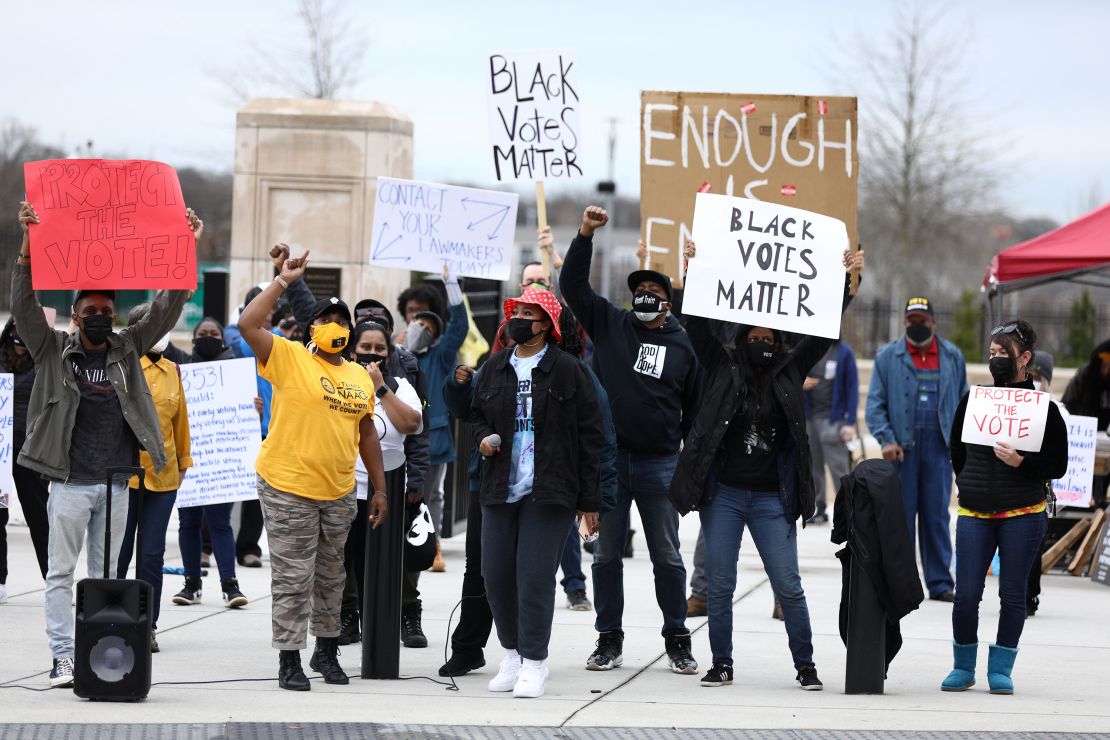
x: 1002, y: 497
x: 321, y: 416
x: 158, y: 487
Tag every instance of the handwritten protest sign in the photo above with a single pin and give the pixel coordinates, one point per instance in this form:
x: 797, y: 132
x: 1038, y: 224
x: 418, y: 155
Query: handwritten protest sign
x: 7, y: 428
x: 766, y: 265
x: 108, y: 224
x: 1013, y: 415
x: 224, y: 432
x: 534, y: 115
x: 788, y: 149
x: 421, y: 225
x: 1076, y: 487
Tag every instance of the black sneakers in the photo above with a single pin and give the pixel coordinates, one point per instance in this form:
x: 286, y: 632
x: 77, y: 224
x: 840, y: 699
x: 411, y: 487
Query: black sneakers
x: 679, y: 655
x: 350, y: 628
x: 290, y: 674
x: 412, y: 636
x: 190, y: 594
x: 233, y: 597
x: 807, y: 677
x: 325, y: 661
x: 460, y: 665
x: 61, y: 675
x: 607, y: 656
x: 578, y: 602
x: 719, y: 675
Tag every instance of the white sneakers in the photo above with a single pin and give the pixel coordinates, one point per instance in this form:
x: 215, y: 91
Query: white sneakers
x: 529, y: 684
x: 525, y: 678
x: 505, y: 679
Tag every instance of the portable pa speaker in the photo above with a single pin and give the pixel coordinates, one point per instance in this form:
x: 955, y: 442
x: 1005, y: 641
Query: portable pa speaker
x: 112, y: 640
x: 112, y: 628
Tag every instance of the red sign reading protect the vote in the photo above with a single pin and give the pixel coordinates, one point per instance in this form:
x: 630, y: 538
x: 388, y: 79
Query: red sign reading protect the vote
x: 108, y: 224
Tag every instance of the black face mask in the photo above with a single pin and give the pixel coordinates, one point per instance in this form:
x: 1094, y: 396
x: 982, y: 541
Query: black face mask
x: 647, y: 306
x: 208, y: 348
x: 97, y: 328
x: 520, y: 330
x: 761, y: 354
x: 365, y: 358
x: 919, y: 334
x: 1002, y: 369
x: 154, y: 357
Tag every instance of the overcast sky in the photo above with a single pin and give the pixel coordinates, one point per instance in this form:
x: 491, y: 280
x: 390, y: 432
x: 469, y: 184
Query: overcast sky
x: 136, y: 77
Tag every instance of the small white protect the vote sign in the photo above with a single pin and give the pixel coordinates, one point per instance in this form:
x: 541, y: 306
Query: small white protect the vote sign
x: 764, y: 264
x: 1014, y: 415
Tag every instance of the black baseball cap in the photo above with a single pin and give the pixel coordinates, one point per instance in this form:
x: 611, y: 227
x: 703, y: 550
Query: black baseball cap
x: 93, y: 291
x: 369, y: 306
x: 435, y: 318
x: 640, y: 276
x: 919, y: 304
x: 328, y: 305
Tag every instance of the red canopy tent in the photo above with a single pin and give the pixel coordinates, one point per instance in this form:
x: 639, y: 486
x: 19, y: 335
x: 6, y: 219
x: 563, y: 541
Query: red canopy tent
x: 1078, y: 251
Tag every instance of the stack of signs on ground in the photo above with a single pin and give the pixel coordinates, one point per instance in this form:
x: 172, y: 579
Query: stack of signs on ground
x: 1016, y: 416
x: 1076, y: 487
x: 109, y: 224
x: 7, y: 427
x: 534, y: 115
x: 422, y: 225
x: 788, y: 149
x: 224, y: 430
x: 763, y: 264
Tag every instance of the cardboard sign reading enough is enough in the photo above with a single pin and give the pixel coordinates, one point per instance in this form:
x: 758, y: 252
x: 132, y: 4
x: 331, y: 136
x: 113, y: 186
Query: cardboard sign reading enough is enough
x: 764, y: 264
x: 1013, y: 415
x: 108, y: 224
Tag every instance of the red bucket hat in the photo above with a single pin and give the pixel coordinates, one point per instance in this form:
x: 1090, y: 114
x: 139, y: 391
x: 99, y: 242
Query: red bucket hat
x: 546, y: 300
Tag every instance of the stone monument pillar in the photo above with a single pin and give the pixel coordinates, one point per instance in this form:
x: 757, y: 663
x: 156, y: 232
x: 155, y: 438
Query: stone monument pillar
x: 305, y: 174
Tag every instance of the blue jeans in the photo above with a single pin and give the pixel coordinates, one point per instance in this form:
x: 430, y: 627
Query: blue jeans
x: 722, y: 523
x: 571, y: 563
x: 1018, y: 541
x: 926, y: 476
x: 644, y: 479
x: 218, y: 518
x: 77, y: 514
x: 156, y: 518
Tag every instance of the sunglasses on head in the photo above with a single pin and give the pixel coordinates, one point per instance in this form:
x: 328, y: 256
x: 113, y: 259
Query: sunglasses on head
x: 1008, y: 329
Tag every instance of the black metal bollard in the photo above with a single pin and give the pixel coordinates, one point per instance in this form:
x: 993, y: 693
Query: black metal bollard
x: 381, y: 613
x: 865, y: 669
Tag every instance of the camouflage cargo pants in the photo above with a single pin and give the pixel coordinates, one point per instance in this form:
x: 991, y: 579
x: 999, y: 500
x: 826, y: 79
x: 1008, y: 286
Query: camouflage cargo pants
x: 306, y: 539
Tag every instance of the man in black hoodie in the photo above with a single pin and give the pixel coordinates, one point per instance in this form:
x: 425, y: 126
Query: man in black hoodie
x: 648, y: 367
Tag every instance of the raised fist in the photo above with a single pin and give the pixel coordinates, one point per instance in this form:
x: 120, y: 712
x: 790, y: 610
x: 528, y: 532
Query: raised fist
x: 593, y: 218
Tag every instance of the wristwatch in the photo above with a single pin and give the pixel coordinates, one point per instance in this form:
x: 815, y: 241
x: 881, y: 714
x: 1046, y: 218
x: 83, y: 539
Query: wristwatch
x: 382, y: 390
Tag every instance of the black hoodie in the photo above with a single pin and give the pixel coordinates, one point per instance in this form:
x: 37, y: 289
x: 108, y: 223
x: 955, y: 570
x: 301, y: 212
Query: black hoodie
x: 652, y: 376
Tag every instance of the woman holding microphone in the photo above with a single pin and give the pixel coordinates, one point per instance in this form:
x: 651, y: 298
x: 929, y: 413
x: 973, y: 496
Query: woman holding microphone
x: 322, y: 417
x: 1003, y: 497
x: 535, y: 403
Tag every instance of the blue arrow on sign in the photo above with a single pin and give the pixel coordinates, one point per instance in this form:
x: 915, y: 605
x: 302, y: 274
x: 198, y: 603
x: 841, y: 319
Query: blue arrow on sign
x: 380, y: 249
x: 498, y: 210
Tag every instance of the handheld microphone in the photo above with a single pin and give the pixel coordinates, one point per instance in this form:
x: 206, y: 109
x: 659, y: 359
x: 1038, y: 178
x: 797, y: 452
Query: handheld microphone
x: 494, y: 441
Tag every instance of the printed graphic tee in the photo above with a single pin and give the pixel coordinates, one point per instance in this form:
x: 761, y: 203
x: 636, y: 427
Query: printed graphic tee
x: 101, y: 438
x: 312, y: 443
x: 524, y: 434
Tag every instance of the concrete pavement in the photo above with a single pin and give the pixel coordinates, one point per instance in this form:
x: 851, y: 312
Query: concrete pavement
x: 1059, y: 679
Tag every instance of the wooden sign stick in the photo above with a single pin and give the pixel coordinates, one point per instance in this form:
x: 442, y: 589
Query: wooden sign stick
x: 855, y: 273
x: 541, y: 222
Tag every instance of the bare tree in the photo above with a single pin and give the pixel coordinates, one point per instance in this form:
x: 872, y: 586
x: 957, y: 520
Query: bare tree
x: 925, y: 169
x: 323, y: 61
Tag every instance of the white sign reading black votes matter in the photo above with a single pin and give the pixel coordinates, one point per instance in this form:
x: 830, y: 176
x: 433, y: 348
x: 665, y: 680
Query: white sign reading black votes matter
x: 534, y: 115
x: 765, y: 264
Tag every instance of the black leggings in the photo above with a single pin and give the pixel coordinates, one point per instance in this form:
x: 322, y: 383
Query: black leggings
x: 33, y: 492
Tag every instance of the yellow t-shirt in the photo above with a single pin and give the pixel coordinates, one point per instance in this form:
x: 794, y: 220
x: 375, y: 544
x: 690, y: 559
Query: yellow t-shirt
x: 1034, y: 509
x: 314, y: 416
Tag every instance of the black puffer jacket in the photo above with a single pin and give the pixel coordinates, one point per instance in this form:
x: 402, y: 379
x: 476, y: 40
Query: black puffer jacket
x: 568, y: 428
x: 988, y: 485
x: 695, y: 478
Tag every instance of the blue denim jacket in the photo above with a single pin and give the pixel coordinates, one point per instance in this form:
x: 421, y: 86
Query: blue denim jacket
x: 892, y: 395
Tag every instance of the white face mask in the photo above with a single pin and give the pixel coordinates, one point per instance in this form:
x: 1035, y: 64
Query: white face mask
x: 161, y: 344
x: 1038, y: 385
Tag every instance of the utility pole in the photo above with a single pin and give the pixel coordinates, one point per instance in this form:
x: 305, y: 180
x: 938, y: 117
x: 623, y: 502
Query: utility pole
x: 608, y: 191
